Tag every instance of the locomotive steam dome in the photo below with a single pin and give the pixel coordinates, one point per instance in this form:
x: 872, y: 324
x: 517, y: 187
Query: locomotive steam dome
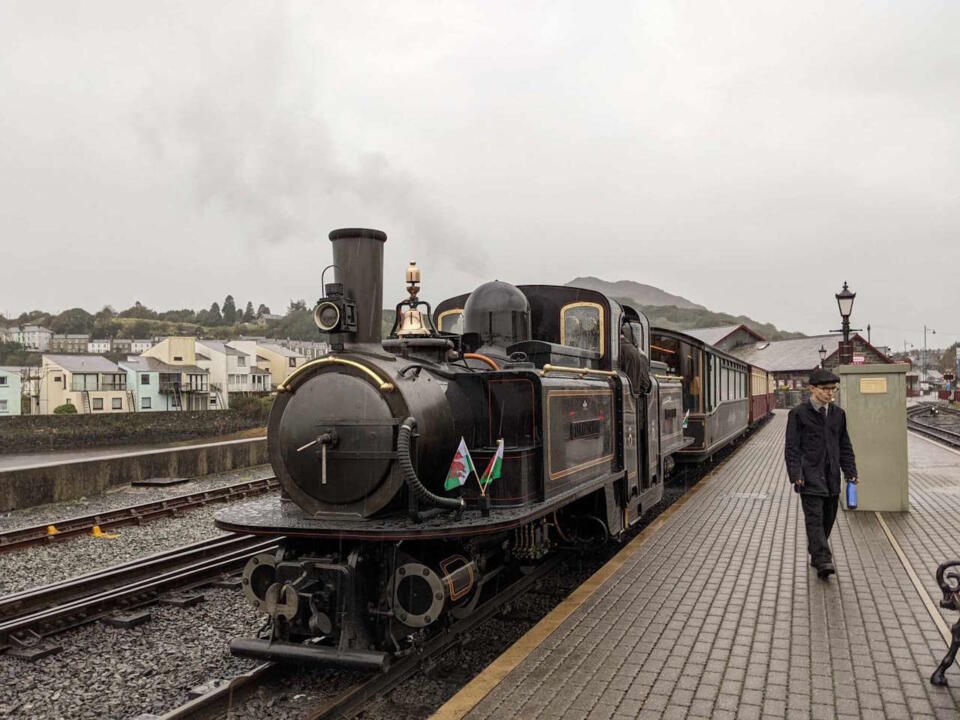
x: 499, y: 313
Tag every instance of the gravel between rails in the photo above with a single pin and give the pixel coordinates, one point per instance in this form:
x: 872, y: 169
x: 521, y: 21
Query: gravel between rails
x: 106, y: 672
x: 124, y: 496
x: 37, y: 565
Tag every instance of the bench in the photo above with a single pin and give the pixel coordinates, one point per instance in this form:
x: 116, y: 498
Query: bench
x: 949, y: 583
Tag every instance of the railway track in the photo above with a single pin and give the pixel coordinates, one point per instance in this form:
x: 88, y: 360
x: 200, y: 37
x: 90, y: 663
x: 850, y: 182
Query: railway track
x: 219, y: 702
x: 920, y: 420
x: 28, y: 617
x: 132, y: 514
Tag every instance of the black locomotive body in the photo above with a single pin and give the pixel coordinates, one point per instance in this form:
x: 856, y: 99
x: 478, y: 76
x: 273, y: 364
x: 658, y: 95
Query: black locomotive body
x: 375, y: 552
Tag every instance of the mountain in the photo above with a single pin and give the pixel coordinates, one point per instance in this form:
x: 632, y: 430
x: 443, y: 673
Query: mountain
x: 673, y: 312
x: 640, y: 294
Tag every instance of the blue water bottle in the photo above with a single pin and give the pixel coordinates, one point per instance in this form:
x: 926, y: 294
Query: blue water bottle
x: 851, y: 496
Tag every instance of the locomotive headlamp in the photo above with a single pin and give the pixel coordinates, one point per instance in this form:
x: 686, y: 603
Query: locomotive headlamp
x: 327, y: 316
x: 335, y: 313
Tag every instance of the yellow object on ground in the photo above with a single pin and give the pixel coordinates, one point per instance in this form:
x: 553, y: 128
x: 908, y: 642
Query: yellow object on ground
x: 98, y: 533
x: 52, y: 530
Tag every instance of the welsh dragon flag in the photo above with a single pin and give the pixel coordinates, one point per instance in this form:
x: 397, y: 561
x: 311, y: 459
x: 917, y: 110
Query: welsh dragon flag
x: 460, y: 468
x: 493, y: 468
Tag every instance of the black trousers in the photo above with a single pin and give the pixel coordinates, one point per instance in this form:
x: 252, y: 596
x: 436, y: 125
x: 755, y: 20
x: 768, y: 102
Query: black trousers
x: 819, y: 514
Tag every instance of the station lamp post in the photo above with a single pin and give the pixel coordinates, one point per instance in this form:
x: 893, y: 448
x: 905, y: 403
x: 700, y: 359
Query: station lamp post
x: 823, y: 354
x: 845, y: 303
x: 923, y: 375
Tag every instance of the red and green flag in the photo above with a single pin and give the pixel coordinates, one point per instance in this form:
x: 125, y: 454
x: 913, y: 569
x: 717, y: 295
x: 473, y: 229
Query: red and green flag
x: 460, y: 468
x: 493, y: 468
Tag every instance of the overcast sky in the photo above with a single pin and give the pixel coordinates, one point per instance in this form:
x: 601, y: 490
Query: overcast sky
x: 750, y: 156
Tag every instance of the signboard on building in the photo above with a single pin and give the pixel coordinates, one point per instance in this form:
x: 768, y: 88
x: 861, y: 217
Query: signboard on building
x: 859, y: 359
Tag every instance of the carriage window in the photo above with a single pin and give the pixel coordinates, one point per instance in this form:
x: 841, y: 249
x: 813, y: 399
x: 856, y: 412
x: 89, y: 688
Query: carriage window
x: 581, y: 326
x: 451, y: 321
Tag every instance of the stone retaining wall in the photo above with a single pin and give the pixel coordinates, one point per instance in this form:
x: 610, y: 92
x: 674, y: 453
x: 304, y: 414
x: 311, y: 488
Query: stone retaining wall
x: 36, y: 433
x: 82, y: 478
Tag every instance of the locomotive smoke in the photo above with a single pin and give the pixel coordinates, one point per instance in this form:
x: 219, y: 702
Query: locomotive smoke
x: 254, y: 136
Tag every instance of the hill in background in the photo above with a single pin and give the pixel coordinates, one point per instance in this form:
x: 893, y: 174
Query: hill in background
x: 673, y: 311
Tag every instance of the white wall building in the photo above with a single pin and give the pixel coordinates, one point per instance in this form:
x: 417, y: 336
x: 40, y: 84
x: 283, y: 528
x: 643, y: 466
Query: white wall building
x: 32, y: 337
x: 98, y: 346
x: 247, y: 375
x: 140, y: 346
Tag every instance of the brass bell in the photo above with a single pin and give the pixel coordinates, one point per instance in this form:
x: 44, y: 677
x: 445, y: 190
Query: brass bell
x: 412, y: 324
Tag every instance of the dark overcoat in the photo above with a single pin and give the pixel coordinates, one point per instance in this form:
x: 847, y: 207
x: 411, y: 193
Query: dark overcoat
x: 811, y: 443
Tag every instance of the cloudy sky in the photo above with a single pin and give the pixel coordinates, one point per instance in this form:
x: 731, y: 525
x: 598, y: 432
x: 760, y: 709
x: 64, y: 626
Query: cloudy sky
x: 750, y: 156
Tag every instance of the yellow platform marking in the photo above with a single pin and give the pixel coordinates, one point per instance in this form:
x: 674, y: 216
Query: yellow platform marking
x: 478, y: 688
x: 915, y: 579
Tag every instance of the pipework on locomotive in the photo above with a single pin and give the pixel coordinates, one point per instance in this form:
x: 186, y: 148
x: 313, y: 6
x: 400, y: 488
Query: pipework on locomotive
x: 376, y: 553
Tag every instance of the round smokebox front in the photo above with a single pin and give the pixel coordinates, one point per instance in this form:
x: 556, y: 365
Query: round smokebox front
x: 345, y: 418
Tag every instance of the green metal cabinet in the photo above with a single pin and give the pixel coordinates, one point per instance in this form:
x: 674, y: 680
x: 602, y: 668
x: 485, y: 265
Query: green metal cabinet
x: 874, y: 398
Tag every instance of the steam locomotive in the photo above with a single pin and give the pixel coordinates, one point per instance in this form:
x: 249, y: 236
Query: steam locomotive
x: 376, y: 552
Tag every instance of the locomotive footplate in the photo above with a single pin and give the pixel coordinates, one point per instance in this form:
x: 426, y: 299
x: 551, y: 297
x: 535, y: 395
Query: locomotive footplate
x: 272, y: 516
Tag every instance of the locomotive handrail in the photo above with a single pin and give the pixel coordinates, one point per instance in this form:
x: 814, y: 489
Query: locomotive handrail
x: 577, y: 371
x: 483, y: 358
x: 381, y: 383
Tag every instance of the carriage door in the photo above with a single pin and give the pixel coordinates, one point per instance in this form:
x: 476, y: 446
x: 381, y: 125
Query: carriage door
x: 632, y: 452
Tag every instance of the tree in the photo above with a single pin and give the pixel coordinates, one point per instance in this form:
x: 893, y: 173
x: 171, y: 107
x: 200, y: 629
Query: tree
x: 297, y: 306
x: 73, y: 321
x: 229, y: 310
x: 106, y: 311
x: 248, y: 314
x: 66, y: 409
x: 184, y: 315
x: 214, y: 317
x: 138, y: 311
x: 263, y: 310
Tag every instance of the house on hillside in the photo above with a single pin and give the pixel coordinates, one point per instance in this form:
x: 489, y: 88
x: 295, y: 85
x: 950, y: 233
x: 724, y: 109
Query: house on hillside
x: 10, y: 391
x: 92, y: 384
x: 71, y: 344
x: 138, y: 346
x: 98, y: 346
x: 32, y: 337
x: 192, y: 392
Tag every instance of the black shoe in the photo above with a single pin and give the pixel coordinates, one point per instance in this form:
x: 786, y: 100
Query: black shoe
x: 826, y: 570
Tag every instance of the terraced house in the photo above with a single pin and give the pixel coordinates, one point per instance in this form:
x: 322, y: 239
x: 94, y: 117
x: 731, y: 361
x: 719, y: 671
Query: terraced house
x: 9, y: 391
x: 90, y: 383
x: 192, y: 392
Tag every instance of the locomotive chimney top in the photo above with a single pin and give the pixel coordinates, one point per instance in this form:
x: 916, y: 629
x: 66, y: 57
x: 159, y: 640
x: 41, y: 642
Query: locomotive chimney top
x: 358, y: 266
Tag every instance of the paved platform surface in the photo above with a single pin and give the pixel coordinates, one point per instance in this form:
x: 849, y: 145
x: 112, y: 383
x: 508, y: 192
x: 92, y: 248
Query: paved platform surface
x: 719, y: 615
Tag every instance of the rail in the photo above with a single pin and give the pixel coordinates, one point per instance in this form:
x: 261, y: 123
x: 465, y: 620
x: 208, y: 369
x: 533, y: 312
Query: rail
x: 131, y: 514
x: 83, y: 603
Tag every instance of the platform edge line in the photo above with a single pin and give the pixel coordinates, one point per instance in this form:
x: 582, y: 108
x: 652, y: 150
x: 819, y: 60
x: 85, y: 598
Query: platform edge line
x: 915, y: 579
x: 935, y: 442
x: 477, y: 689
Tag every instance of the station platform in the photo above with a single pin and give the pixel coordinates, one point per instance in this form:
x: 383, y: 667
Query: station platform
x: 713, y: 611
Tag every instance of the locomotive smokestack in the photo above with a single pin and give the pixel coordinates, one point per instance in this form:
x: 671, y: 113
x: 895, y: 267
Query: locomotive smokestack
x: 358, y: 256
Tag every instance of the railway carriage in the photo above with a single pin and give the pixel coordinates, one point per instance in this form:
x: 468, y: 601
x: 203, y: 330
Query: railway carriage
x: 722, y: 395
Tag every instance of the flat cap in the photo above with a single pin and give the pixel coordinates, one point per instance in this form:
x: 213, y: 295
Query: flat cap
x: 820, y: 376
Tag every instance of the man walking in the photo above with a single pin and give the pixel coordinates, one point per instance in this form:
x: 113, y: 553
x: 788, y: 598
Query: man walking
x: 817, y: 449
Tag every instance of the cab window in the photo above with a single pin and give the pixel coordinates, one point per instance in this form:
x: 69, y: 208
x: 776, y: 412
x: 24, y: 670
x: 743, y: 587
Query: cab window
x: 451, y: 321
x: 581, y: 326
